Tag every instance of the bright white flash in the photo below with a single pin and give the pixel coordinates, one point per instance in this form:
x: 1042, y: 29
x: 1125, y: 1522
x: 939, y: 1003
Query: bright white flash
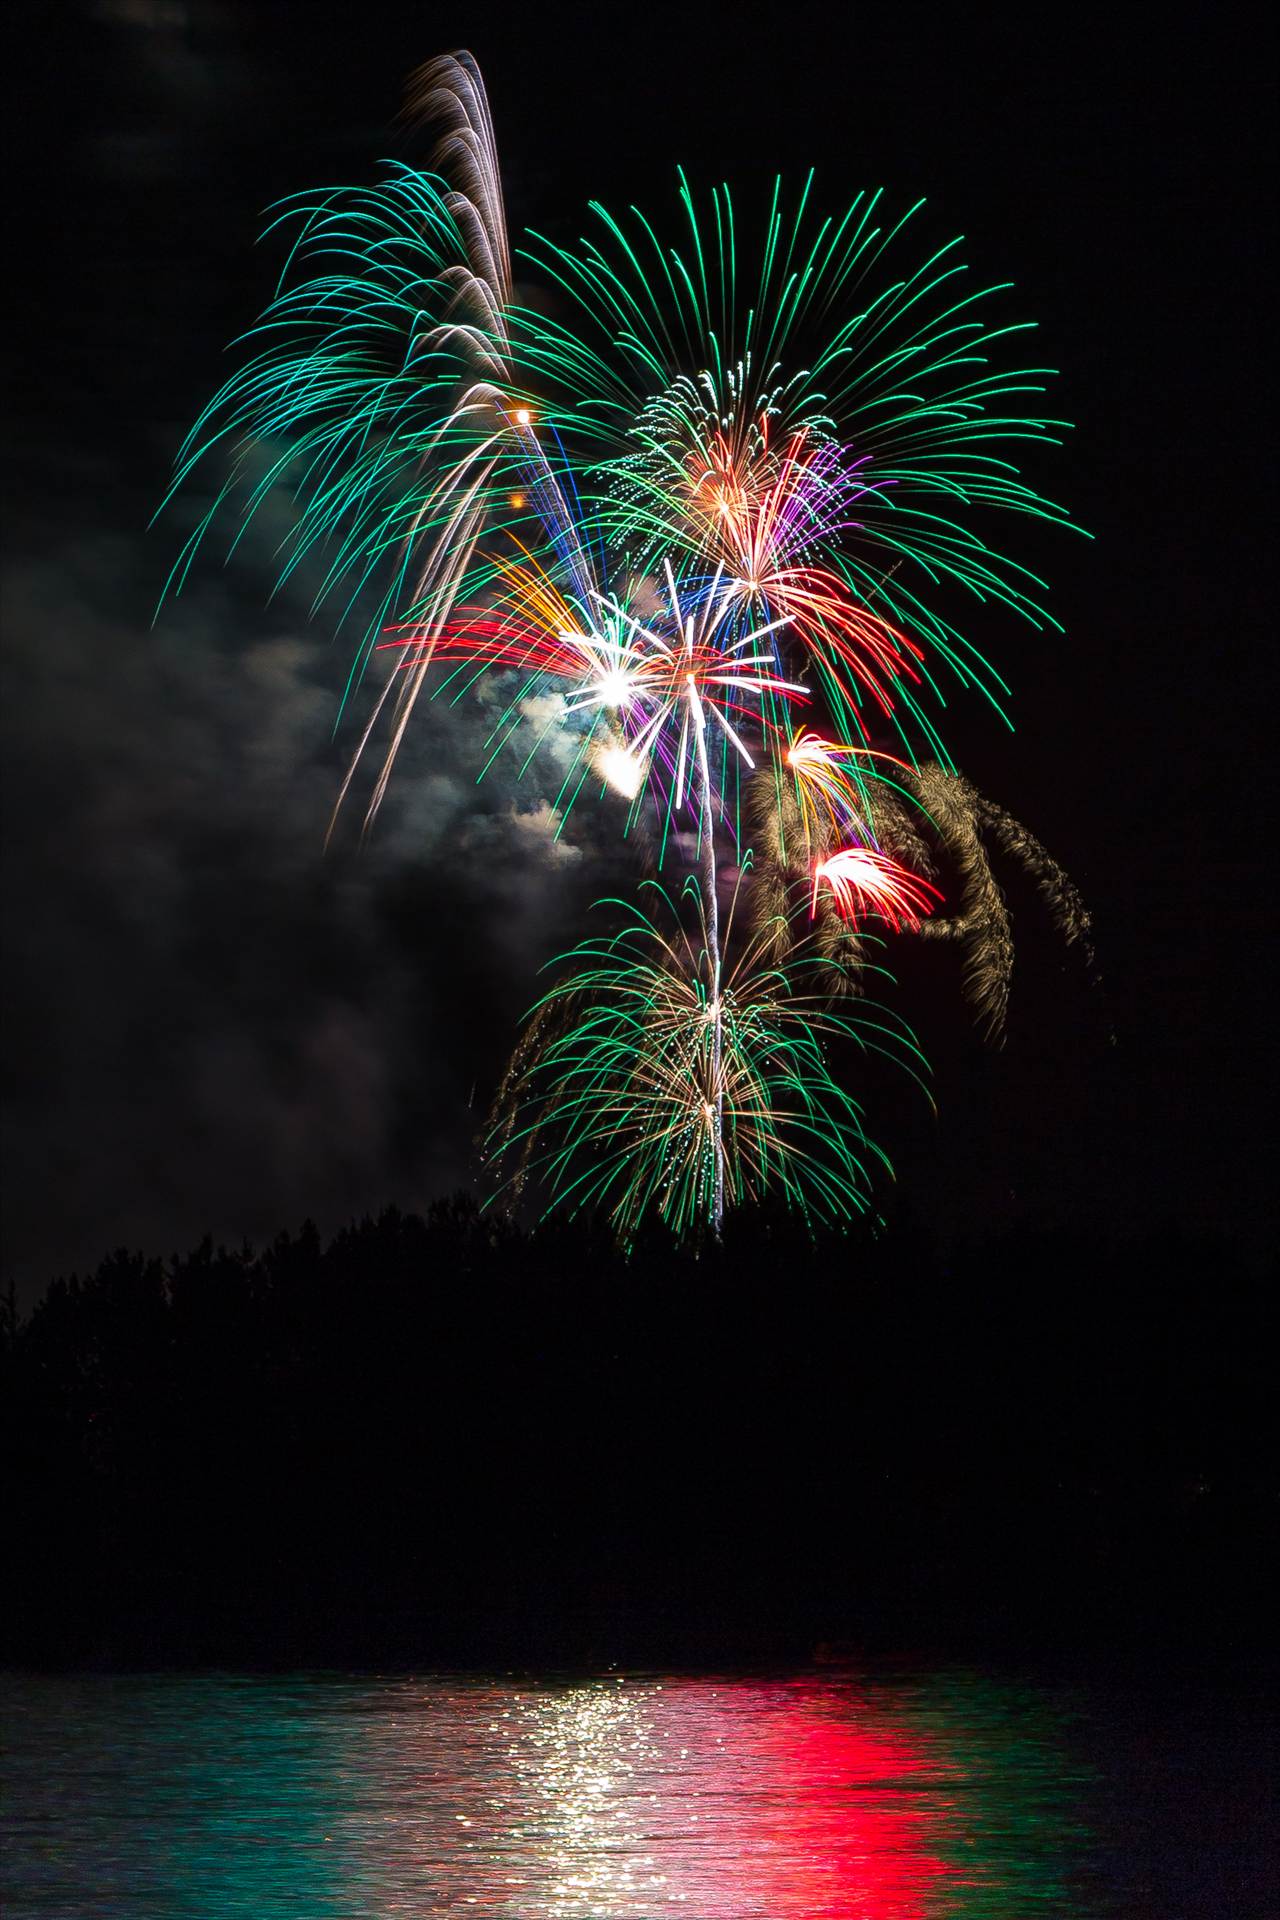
x: 614, y: 689
x: 624, y: 771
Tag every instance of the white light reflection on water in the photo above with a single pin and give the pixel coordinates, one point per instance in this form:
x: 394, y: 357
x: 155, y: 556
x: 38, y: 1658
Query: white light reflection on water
x: 805, y: 1799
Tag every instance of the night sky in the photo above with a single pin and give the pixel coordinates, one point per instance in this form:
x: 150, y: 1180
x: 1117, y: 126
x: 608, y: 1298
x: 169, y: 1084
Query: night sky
x: 210, y: 1025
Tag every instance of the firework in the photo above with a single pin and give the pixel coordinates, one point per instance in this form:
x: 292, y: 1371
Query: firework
x: 960, y: 816
x: 866, y: 882
x: 763, y: 516
x: 908, y: 424
x: 657, y: 1075
x: 832, y: 784
x: 730, y: 482
x: 656, y: 680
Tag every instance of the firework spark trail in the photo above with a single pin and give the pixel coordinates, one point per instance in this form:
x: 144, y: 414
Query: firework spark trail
x: 715, y: 1115
x: 864, y: 881
x: 833, y: 785
x: 450, y: 92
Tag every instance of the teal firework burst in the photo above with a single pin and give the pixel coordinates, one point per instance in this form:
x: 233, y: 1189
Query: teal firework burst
x: 688, y: 372
x: 620, y: 1099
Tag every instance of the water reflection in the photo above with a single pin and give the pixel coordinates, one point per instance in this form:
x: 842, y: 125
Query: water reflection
x: 721, y: 1800
x: 894, y: 1800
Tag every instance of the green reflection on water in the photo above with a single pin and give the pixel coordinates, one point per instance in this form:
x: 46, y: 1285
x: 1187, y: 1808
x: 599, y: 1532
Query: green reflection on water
x: 1016, y: 1839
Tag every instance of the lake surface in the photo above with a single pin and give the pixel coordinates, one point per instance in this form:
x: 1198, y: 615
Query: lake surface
x: 903, y: 1796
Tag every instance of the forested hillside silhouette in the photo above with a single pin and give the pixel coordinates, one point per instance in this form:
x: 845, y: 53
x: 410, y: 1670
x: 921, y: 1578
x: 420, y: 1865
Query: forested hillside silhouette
x: 449, y: 1441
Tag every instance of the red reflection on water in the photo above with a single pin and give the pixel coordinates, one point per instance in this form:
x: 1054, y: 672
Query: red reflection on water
x: 851, y: 1810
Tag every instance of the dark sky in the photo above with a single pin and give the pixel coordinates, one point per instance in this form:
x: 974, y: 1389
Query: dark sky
x: 208, y: 1024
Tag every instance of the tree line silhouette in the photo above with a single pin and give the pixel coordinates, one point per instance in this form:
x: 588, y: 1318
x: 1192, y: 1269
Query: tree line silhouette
x: 451, y: 1441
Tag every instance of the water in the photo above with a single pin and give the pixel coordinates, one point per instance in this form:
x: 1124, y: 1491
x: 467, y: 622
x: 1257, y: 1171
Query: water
x: 894, y: 1798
